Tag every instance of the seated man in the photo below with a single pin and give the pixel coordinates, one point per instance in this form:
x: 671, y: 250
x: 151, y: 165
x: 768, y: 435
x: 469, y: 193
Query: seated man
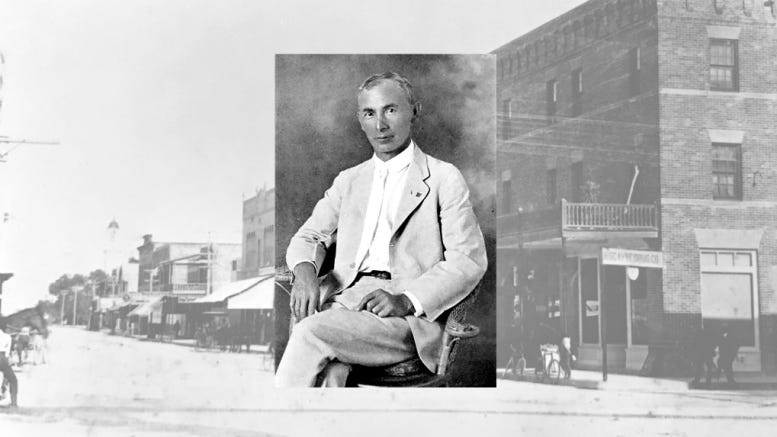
x: 408, y: 248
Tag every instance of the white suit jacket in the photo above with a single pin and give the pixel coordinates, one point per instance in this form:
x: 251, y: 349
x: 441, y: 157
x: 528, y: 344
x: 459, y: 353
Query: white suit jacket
x: 436, y: 251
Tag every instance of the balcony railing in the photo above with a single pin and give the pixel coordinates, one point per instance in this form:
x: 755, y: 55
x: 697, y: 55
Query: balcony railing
x: 572, y: 217
x: 195, y: 287
x: 608, y: 216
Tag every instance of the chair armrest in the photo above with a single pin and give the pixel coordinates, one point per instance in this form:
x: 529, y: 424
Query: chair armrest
x: 461, y: 330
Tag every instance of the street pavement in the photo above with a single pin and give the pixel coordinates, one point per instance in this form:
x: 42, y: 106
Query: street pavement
x: 101, y: 385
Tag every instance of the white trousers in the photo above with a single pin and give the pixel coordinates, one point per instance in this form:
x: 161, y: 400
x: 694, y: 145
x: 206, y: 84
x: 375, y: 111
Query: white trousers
x: 341, y: 335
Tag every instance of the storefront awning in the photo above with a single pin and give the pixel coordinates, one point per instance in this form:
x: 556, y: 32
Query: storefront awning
x: 228, y: 290
x: 258, y: 297
x: 145, y: 310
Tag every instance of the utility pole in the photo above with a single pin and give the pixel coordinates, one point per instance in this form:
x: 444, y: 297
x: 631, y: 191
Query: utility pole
x: 75, y: 306
x: 62, y: 310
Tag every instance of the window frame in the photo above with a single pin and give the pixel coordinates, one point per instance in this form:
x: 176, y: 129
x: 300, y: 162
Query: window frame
x: 551, y: 98
x: 577, y: 91
x: 635, y: 70
x: 734, y: 66
x: 737, y: 180
x: 551, y: 186
x: 751, y: 270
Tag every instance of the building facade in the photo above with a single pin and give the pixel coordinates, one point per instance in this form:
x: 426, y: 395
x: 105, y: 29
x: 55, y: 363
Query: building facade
x: 258, y: 252
x: 187, y: 270
x: 641, y: 125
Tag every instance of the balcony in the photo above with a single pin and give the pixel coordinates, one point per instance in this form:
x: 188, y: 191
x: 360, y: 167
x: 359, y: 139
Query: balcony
x: 191, y: 288
x: 579, y: 221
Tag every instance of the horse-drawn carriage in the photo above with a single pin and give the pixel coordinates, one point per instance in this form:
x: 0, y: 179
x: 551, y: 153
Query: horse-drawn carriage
x: 28, y: 329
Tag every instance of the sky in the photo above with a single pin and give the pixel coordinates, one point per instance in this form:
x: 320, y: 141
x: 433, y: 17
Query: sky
x: 164, y: 112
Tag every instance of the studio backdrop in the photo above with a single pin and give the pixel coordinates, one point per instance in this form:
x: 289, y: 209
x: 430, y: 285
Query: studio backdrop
x: 318, y: 135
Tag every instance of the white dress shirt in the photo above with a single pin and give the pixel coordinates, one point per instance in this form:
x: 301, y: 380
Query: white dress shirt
x: 388, y: 184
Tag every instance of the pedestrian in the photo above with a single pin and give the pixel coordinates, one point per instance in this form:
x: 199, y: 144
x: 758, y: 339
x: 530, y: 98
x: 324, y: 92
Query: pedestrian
x: 177, y: 329
x: 702, y: 354
x: 728, y: 347
x: 5, y: 364
x: 566, y: 357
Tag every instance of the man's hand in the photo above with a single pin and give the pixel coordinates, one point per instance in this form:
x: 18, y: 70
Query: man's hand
x: 384, y: 304
x: 304, y: 292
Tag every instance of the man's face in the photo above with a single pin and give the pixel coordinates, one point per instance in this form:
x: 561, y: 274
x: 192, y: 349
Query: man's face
x: 386, y: 115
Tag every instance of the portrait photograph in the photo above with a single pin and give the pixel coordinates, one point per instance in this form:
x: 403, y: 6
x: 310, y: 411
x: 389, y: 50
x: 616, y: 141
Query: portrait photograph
x: 415, y: 249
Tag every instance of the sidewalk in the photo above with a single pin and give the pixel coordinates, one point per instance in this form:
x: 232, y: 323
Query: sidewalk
x: 592, y: 380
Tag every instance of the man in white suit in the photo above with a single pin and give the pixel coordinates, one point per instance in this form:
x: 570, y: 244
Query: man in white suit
x: 408, y: 248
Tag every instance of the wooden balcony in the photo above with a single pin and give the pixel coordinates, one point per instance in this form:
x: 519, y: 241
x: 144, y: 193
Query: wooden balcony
x: 608, y: 217
x: 191, y: 288
x: 580, y: 221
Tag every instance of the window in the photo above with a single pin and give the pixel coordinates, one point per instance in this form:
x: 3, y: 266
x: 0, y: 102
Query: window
x: 635, y: 66
x: 726, y: 171
x: 550, y: 185
x: 506, y: 115
x: 576, y: 181
x: 507, y: 192
x: 551, y: 98
x: 724, y: 65
x: 589, y: 300
x: 729, y: 294
x: 577, y: 92
x: 517, y: 62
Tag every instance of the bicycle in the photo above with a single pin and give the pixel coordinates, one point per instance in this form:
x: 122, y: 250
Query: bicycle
x: 548, y: 366
x: 517, y: 362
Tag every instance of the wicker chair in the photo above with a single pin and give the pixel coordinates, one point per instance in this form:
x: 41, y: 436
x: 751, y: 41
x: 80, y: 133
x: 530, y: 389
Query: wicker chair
x: 413, y: 372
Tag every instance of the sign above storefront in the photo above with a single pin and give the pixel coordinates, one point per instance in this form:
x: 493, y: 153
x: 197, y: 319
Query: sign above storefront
x: 632, y: 258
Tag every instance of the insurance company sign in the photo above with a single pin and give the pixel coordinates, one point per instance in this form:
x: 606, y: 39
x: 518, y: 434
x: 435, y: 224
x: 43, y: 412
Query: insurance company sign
x: 632, y: 258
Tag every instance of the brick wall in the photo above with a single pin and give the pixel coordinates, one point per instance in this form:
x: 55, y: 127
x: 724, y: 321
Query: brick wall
x: 615, y: 130
x: 687, y: 111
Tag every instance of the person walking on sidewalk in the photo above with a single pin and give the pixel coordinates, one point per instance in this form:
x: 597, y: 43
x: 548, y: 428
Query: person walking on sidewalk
x: 702, y: 354
x: 5, y: 364
x: 728, y: 349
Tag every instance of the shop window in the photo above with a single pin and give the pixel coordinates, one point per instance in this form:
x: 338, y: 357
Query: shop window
x: 639, y: 308
x: 589, y: 300
x: 615, y: 304
x: 729, y: 294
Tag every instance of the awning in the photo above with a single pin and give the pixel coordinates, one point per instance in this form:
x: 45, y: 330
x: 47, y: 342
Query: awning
x: 228, y: 290
x: 258, y: 297
x: 145, y: 309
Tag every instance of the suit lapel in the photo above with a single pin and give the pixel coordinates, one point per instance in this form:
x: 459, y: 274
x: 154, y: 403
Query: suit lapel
x: 415, y: 190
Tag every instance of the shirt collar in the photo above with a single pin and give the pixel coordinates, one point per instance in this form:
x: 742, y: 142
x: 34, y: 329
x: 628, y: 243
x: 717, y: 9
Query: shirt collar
x: 397, y: 163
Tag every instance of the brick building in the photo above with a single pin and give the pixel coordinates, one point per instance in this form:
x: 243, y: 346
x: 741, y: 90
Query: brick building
x: 258, y: 234
x: 641, y: 125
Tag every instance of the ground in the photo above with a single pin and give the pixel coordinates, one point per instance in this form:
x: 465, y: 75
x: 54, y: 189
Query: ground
x: 101, y: 385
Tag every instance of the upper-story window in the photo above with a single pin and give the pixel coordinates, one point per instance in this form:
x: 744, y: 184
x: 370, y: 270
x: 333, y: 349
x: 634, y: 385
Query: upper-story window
x: 724, y: 65
x: 506, y: 115
x: 726, y: 171
x: 577, y: 92
x: 550, y: 185
x: 635, y: 68
x: 551, y: 98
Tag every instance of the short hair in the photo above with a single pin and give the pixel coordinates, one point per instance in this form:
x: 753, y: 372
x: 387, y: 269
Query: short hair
x: 390, y: 75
